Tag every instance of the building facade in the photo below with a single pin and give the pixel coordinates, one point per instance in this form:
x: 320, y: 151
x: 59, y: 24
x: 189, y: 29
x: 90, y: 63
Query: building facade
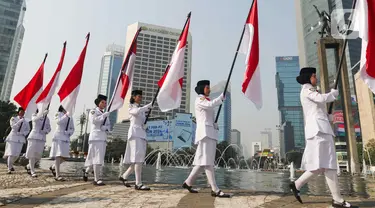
x: 155, y: 46
x: 235, y: 138
x: 266, y: 139
x: 225, y: 118
x: 109, y: 72
x: 288, y: 96
x: 11, y: 35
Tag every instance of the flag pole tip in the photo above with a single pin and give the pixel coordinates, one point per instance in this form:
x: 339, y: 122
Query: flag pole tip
x: 88, y: 35
x: 64, y: 43
x: 189, y: 14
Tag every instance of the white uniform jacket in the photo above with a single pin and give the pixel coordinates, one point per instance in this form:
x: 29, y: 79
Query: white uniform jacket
x: 205, y: 113
x: 18, y: 132
x: 63, y: 133
x: 99, y: 129
x: 37, y: 133
x: 315, y: 112
x: 137, y: 116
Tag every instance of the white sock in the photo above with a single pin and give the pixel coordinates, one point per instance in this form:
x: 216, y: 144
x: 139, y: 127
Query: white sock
x: 10, y: 162
x: 32, y: 162
x: 138, y: 173
x: 57, y: 166
x: 333, y: 184
x: 97, y: 172
x: 193, y: 175
x: 88, y: 169
x: 129, y: 171
x: 210, y: 173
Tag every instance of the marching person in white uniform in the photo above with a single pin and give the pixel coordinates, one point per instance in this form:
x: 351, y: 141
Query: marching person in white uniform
x: 137, y: 145
x: 206, y: 138
x: 16, y: 138
x: 319, y: 155
x: 100, y: 127
x: 61, y: 141
x: 37, y: 139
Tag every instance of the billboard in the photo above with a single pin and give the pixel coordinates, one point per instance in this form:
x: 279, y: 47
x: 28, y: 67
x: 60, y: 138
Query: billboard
x: 159, y: 131
x: 183, y: 134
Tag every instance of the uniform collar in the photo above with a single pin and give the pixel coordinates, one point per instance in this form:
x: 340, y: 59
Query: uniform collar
x: 310, y: 87
x: 203, y: 96
x: 98, y: 109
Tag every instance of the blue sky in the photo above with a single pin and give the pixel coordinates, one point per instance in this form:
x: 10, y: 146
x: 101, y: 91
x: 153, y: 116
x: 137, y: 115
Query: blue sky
x: 216, y: 27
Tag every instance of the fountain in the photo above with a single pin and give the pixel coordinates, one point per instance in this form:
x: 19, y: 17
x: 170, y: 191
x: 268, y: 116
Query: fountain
x: 112, y: 161
x: 292, y: 171
x: 338, y: 168
x: 158, y: 162
x: 121, y: 160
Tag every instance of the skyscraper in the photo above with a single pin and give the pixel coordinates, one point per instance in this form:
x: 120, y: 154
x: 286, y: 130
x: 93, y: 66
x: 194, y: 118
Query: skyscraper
x: 109, y: 71
x: 288, y: 96
x: 225, y: 118
x: 155, y: 46
x: 11, y: 36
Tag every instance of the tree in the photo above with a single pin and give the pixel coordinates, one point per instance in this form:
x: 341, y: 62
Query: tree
x: 370, y: 151
x: 296, y: 157
x: 82, y: 121
x: 73, y: 144
x: 115, y: 149
x: 7, y: 110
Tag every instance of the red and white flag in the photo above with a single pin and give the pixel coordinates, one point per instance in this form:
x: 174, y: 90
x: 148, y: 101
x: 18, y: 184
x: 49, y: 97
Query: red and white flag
x: 125, y: 77
x: 27, y: 97
x: 68, y: 92
x: 364, y: 22
x: 45, y: 97
x: 251, y: 85
x: 170, y: 84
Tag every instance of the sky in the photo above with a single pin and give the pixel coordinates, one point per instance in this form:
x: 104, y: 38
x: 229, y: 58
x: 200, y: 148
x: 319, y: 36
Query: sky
x: 216, y: 26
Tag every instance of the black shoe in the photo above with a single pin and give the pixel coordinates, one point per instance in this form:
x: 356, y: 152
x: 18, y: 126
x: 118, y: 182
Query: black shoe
x: 124, y: 181
x: 84, y: 176
x: 53, y: 171
x: 12, y: 169
x: 142, y: 188
x: 9, y: 172
x: 34, y: 175
x: 98, y: 183
x: 296, y: 193
x: 28, y: 170
x: 189, y: 188
x: 343, y: 204
x: 220, y: 194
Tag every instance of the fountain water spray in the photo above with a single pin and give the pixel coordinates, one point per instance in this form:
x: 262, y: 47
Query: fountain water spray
x: 158, y: 161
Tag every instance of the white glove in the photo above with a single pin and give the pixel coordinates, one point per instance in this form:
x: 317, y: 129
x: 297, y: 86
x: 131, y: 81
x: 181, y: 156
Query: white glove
x: 67, y: 114
x: 45, y: 112
x: 330, y: 117
x: 144, y: 126
x: 334, y: 92
x: 103, y: 128
x: 149, y: 106
x: 106, y: 114
x: 216, y: 126
x: 222, y: 97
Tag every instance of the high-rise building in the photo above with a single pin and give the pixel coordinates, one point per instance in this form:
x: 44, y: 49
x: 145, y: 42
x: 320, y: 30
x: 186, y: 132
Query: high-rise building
x: 288, y: 96
x: 266, y: 139
x: 308, y: 29
x: 109, y: 72
x: 155, y: 46
x: 11, y: 35
x: 235, y: 138
x: 255, y: 147
x: 225, y: 118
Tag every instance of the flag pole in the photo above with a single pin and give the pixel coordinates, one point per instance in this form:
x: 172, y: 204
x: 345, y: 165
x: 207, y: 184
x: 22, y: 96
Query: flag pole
x: 231, y: 69
x: 338, y: 72
x: 123, y: 70
x: 165, y: 71
x: 44, y: 121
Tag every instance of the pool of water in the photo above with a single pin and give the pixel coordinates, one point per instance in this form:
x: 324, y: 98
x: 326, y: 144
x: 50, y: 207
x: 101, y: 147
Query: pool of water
x: 233, y: 179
